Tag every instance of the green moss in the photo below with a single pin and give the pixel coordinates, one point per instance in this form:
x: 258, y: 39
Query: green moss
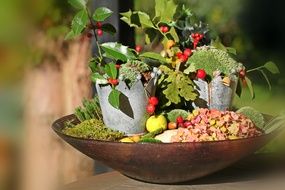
x: 212, y: 59
x: 131, y: 70
x: 93, y: 129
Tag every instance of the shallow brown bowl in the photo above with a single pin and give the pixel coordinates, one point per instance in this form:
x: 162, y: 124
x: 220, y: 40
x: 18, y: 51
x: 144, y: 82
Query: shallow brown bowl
x: 164, y: 163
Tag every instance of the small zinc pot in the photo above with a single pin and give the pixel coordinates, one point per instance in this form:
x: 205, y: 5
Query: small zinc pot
x: 218, y: 94
x: 131, y: 117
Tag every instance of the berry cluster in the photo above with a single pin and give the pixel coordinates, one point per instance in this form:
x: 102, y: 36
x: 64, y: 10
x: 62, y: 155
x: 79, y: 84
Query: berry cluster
x: 181, y: 123
x: 152, y: 103
x: 183, y: 57
x: 164, y: 29
x: 196, y: 39
x: 99, y: 30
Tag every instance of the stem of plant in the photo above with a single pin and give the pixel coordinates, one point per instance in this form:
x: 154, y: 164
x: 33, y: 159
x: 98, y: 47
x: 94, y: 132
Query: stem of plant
x: 257, y: 68
x: 95, y: 36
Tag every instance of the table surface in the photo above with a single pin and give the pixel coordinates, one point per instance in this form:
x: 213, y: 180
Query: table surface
x: 228, y: 179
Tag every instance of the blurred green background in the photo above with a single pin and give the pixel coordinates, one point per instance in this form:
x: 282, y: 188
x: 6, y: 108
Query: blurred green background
x: 254, y: 27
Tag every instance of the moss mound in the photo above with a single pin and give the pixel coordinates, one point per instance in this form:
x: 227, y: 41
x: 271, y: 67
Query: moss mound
x: 93, y: 129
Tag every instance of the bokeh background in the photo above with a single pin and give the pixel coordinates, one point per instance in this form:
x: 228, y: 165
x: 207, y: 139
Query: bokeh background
x: 43, y: 77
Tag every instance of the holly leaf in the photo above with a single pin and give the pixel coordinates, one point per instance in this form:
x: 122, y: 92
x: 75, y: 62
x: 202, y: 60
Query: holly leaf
x: 173, y: 34
x: 165, y: 10
x: 114, y: 98
x: 78, y: 4
x: 111, y: 70
x: 153, y: 55
x: 250, y: 87
x: 79, y: 23
x: 117, y: 51
x: 102, y: 13
x: 271, y: 67
x: 131, y: 19
x: 145, y: 19
x: 109, y: 28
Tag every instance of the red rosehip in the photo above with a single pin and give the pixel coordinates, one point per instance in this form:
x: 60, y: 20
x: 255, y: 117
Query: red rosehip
x: 196, y: 35
x: 99, y: 25
x: 150, y: 109
x: 99, y: 32
x: 179, y: 120
x: 201, y: 74
x: 187, y: 124
x: 114, y: 82
x: 164, y: 29
x: 187, y: 52
x: 153, y: 100
x: 183, y: 58
x: 193, y: 35
x: 118, y: 66
x: 138, y: 48
x: 242, y: 74
x: 201, y: 36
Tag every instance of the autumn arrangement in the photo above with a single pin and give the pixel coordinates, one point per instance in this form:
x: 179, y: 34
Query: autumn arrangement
x: 183, y: 93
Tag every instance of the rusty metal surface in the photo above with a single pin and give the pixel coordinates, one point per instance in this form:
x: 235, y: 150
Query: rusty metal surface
x: 164, y: 163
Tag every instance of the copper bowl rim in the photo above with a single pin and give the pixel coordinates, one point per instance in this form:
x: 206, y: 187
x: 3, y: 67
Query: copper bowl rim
x: 57, y: 130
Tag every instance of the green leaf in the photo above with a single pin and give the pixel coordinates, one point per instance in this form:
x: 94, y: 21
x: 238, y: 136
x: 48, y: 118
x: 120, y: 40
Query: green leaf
x: 96, y: 76
x: 173, y: 34
x: 114, y: 98
x: 266, y: 78
x: 231, y: 50
x: 145, y: 19
x: 102, y: 13
x: 150, y: 35
x: 165, y: 10
x: 79, y: 22
x: 69, y: 35
x: 153, y: 55
x: 271, y: 67
x: 111, y: 70
x: 250, y: 87
x: 117, y: 51
x: 78, y: 4
x: 109, y: 28
x: 173, y: 114
x: 186, y: 87
x: 171, y: 93
x: 131, y: 19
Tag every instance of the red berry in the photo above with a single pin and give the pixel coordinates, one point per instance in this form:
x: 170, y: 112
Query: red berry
x: 196, y: 35
x: 242, y: 74
x: 187, y: 52
x: 153, y: 101
x: 178, y: 54
x: 164, y: 29
x: 150, y: 109
x: 201, y: 36
x: 201, y: 74
x: 183, y: 58
x: 99, y: 24
x: 89, y: 35
x: 138, y: 48
x: 187, y: 124
x: 118, y: 66
x: 179, y: 120
x: 99, y: 32
x: 195, y: 43
x: 113, y: 81
x: 193, y: 35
